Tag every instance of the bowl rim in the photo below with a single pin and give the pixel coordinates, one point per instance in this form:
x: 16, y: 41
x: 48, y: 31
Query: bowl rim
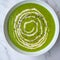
x: 47, y: 48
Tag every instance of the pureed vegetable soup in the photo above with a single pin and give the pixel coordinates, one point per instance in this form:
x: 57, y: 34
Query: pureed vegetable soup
x: 31, y: 27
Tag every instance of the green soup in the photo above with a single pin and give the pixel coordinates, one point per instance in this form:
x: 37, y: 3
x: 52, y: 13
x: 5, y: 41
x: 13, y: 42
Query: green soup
x: 31, y: 27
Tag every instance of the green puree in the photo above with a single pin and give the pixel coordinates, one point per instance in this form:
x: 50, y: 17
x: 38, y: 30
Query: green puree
x: 31, y: 27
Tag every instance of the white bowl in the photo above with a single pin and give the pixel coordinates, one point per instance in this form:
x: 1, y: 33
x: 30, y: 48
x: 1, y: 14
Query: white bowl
x: 54, y: 38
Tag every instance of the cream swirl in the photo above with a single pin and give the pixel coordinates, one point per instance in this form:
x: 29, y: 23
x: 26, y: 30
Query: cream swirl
x: 30, y: 28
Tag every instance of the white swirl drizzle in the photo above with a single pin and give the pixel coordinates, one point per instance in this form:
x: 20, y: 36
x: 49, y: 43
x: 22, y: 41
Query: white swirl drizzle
x: 19, y: 33
x: 26, y: 24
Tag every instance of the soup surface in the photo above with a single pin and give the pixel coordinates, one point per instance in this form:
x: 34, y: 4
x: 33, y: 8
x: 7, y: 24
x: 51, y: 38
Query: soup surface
x: 31, y: 27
